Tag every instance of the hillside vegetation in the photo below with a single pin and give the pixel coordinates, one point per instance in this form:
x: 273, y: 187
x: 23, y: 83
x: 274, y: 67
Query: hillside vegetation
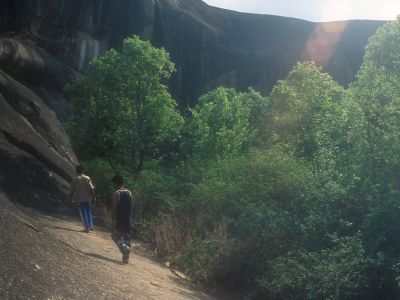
x: 290, y: 196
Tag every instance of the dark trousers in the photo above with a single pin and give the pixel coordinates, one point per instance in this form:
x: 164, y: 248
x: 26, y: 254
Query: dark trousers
x: 86, y: 215
x: 120, y: 238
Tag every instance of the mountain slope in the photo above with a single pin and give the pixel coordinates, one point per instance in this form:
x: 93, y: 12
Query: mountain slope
x: 210, y: 46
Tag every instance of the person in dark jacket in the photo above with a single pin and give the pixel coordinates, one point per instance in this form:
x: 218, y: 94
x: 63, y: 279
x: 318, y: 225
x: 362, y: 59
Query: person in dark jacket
x: 122, y: 217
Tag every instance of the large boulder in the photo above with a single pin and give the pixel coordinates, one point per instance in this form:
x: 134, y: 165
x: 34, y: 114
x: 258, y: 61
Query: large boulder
x: 37, y: 69
x: 33, y: 65
x: 36, y: 160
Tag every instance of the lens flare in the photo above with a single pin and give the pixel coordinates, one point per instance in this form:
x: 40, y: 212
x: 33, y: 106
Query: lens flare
x: 323, y: 41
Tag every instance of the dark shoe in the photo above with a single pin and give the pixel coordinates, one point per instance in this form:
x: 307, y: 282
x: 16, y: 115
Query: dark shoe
x: 125, y: 253
x: 91, y: 229
x: 125, y: 258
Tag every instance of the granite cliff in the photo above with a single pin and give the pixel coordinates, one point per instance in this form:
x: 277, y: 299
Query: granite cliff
x: 36, y: 161
x: 210, y: 46
x: 44, y: 44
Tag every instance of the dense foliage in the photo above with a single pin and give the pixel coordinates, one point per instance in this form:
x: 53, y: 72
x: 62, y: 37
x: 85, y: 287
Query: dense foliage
x: 223, y: 123
x: 291, y: 196
x: 124, y: 112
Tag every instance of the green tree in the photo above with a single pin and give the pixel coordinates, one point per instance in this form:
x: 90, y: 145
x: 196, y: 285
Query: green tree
x: 223, y: 123
x: 377, y: 90
x: 123, y: 110
x: 308, y: 117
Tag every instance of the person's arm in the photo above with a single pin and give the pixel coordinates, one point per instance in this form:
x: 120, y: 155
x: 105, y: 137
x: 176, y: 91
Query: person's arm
x: 114, y: 206
x: 92, y: 191
x: 93, y: 195
x: 132, y: 215
x: 133, y: 203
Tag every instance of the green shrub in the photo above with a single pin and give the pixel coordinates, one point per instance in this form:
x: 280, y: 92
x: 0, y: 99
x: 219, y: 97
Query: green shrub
x: 331, y: 273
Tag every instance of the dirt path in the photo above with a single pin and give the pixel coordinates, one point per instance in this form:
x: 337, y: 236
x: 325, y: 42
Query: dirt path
x: 153, y: 280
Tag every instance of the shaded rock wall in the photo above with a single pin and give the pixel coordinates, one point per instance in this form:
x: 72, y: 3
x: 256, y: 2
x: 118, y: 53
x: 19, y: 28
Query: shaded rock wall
x: 37, y: 69
x: 36, y: 161
x: 210, y: 46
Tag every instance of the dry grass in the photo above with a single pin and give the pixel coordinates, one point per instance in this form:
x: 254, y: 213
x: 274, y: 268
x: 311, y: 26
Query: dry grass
x: 170, y: 235
x: 103, y: 216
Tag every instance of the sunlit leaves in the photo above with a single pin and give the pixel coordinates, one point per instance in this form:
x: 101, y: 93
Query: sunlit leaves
x: 224, y: 123
x: 377, y: 90
x: 308, y: 117
x: 123, y: 110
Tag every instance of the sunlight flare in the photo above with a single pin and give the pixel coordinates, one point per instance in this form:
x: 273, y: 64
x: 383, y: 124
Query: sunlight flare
x: 323, y: 41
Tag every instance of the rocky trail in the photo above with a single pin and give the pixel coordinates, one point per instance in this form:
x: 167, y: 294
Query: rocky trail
x: 49, y: 257
x: 141, y: 274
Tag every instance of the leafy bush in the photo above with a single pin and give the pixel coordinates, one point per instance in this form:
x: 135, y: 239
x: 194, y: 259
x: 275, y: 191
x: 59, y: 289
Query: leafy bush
x: 331, y: 273
x: 223, y: 123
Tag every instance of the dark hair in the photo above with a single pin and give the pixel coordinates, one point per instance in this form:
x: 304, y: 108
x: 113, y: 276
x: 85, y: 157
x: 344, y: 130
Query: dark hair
x: 79, y: 169
x: 117, y: 180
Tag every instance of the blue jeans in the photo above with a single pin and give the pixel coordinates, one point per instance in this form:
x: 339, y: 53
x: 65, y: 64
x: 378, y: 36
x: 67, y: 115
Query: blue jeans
x: 86, y: 215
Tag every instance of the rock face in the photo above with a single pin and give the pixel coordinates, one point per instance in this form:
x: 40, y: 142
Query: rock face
x: 36, y: 162
x: 44, y: 44
x: 210, y: 46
